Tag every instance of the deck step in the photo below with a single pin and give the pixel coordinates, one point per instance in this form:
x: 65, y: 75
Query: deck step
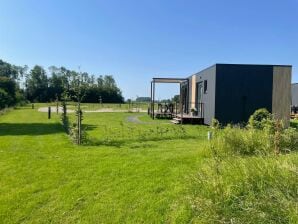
x: 175, y: 121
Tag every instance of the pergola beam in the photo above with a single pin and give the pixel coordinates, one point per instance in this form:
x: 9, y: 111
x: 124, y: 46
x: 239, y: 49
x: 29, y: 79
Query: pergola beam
x: 179, y: 81
x: 169, y: 80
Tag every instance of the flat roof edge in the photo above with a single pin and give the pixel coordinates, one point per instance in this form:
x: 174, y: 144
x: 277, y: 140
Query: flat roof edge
x: 254, y: 64
x: 238, y: 65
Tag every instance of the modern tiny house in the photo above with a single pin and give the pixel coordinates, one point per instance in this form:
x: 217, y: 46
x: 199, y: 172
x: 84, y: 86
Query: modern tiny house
x: 232, y: 92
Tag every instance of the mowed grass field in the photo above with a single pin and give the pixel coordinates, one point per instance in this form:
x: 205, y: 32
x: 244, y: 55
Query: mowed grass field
x: 132, y: 172
x: 98, y: 106
x: 45, y: 178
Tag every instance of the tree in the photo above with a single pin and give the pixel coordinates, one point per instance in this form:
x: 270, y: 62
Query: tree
x: 37, y: 85
x: 8, y: 70
x: 176, y: 98
x: 143, y: 99
x: 9, y: 90
x: 57, y: 83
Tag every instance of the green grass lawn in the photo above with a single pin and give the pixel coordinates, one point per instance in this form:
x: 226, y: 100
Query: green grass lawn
x: 133, y: 173
x: 45, y: 178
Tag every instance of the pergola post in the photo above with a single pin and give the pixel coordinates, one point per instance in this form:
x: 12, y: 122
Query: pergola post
x: 167, y: 80
x: 153, y: 99
x: 181, y: 105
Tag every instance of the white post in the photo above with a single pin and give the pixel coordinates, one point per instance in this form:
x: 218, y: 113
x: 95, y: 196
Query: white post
x: 209, y: 135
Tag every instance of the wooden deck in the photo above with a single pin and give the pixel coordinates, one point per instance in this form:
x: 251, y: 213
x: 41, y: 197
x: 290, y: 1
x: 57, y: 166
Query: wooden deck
x: 188, y: 119
x: 178, y: 119
x: 294, y: 116
x: 160, y: 115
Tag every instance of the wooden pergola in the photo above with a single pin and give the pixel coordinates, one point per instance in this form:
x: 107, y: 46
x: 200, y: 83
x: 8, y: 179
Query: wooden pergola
x: 166, y: 80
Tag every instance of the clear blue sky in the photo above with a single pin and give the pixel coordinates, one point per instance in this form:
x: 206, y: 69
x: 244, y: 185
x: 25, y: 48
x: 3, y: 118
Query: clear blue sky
x: 135, y: 40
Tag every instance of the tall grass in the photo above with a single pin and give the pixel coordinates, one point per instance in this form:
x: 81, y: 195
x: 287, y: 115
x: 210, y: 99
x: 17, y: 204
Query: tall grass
x: 251, y: 176
x: 247, y: 190
x: 250, y: 141
x: 124, y: 133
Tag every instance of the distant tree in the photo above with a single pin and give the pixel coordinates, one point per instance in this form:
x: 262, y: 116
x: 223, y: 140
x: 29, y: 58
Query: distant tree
x: 143, y: 99
x: 176, y: 98
x: 165, y: 101
x: 57, y: 83
x: 43, y: 86
x: 37, y: 85
x: 5, y: 99
x: 10, y: 93
x: 8, y: 70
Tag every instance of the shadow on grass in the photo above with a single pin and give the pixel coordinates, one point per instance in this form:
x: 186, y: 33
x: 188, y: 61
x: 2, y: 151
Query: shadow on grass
x: 89, y: 127
x: 29, y: 129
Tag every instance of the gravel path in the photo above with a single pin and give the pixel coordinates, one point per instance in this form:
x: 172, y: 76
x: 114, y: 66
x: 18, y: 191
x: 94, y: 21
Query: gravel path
x: 53, y: 110
x: 103, y: 110
x: 135, y: 119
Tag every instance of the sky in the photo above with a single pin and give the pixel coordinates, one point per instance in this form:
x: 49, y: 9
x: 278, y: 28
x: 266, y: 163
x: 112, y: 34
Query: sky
x: 135, y: 40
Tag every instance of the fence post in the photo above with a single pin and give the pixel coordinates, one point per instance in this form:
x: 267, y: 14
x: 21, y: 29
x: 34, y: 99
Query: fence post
x: 80, y: 125
x: 49, y: 112
x: 209, y: 135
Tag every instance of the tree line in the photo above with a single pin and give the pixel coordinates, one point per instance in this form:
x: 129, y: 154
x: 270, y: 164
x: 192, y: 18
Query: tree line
x: 20, y: 84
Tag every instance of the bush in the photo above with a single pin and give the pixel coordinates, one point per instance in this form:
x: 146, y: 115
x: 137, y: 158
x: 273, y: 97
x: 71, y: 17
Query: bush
x: 74, y: 134
x: 259, y: 119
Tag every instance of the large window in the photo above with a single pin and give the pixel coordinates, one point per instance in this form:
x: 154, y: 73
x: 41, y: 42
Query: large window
x: 205, y: 86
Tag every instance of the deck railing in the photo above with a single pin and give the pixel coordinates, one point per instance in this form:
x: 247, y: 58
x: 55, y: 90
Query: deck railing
x: 195, y: 109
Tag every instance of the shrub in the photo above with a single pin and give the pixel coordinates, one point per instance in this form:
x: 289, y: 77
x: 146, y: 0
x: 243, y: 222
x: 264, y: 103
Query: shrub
x: 74, y: 134
x: 215, y: 123
x: 259, y: 119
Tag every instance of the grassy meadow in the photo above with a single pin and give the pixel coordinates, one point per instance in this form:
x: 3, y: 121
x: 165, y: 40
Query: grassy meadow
x: 135, y: 172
